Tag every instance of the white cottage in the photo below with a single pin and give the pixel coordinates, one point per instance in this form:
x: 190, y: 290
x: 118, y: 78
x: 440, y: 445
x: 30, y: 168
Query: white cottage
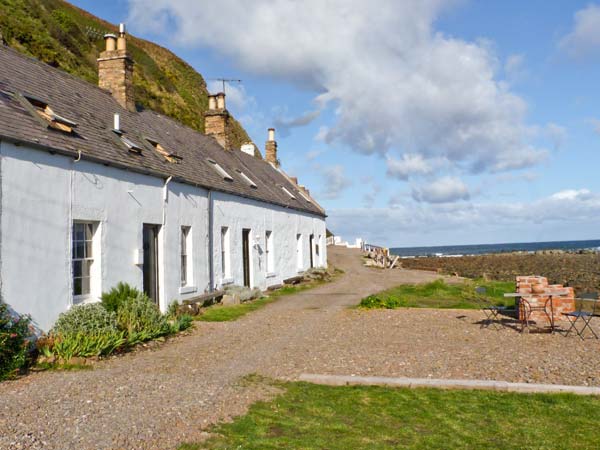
x: 93, y: 192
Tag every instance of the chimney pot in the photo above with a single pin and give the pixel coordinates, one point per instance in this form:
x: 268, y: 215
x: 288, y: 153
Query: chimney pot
x: 122, y: 28
x: 121, y: 41
x: 212, y: 102
x: 117, y: 122
x: 110, y: 41
x: 271, y: 134
x: 220, y: 100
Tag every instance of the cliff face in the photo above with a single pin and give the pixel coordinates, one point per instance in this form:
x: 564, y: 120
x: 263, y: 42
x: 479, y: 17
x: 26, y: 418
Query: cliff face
x: 69, y: 38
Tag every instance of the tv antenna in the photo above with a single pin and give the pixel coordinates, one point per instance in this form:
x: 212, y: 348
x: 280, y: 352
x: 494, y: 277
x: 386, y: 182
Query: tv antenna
x: 225, y: 80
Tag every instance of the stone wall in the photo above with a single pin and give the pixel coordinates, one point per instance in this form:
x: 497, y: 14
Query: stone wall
x: 537, y: 292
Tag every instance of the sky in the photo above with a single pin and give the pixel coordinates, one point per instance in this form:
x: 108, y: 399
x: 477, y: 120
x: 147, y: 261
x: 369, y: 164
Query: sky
x: 413, y: 122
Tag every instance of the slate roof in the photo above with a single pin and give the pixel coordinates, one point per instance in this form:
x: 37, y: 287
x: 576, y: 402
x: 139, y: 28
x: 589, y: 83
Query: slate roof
x: 93, y: 108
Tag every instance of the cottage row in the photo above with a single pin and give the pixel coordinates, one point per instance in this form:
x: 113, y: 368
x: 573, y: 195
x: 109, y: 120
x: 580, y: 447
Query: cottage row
x: 94, y: 192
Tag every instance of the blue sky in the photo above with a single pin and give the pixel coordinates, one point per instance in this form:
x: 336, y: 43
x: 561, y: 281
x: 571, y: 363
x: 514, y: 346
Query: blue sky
x: 421, y: 122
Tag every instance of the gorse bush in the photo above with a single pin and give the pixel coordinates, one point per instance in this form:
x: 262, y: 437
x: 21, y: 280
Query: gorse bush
x: 114, y: 298
x: 90, y: 318
x: 141, y: 319
x: 14, y: 346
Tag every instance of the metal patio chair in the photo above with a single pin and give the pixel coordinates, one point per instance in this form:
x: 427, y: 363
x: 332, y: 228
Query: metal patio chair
x: 585, y: 316
x: 526, y: 309
x: 492, y: 312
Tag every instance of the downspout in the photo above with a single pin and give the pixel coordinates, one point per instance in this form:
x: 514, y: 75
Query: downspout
x: 211, y: 268
x: 161, y: 274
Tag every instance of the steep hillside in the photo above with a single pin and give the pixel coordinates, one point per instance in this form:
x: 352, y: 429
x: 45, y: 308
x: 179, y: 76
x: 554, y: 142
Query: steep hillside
x: 67, y: 37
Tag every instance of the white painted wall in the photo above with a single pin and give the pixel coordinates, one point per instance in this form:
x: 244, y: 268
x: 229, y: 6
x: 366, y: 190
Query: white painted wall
x: 239, y: 213
x: 41, y: 194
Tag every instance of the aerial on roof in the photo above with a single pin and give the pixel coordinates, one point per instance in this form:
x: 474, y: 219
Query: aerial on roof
x: 50, y: 109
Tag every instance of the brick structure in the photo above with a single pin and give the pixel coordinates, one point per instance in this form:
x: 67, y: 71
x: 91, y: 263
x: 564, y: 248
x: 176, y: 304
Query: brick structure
x: 536, y: 291
x: 271, y: 148
x: 115, y: 70
x: 216, y: 120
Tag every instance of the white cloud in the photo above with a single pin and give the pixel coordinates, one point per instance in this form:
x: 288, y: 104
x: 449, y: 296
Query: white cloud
x: 514, y: 68
x: 570, y: 213
x: 284, y: 124
x: 334, y: 181
x: 409, y: 165
x: 443, y: 190
x: 584, y: 39
x: 395, y: 83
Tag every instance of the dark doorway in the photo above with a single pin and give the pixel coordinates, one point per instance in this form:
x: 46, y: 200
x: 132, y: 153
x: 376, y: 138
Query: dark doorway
x: 246, y: 255
x: 150, y: 267
x: 310, y: 249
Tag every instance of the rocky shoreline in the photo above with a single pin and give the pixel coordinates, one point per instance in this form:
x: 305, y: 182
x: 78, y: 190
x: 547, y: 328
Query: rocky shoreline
x: 578, y: 269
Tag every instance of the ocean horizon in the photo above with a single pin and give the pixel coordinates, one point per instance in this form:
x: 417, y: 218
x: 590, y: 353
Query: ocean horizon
x: 482, y: 249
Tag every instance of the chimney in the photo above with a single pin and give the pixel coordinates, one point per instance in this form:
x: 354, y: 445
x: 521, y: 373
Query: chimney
x: 271, y: 148
x: 216, y: 119
x: 115, y: 69
x: 295, y: 180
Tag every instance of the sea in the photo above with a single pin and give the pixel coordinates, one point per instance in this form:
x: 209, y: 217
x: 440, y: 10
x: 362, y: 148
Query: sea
x: 483, y: 249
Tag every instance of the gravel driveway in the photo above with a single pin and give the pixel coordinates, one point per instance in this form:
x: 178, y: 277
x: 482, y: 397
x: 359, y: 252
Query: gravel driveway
x: 162, y: 397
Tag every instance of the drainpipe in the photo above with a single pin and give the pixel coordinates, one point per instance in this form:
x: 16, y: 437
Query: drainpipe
x: 211, y: 266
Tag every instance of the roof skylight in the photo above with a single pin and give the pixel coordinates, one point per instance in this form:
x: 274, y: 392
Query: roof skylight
x: 288, y: 192
x: 215, y: 165
x: 169, y: 156
x: 247, y: 179
x: 132, y: 146
x: 304, y: 195
x: 54, y: 120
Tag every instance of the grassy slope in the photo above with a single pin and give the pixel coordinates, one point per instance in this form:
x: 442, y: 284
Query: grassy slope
x: 439, y: 294
x: 56, y: 32
x: 310, y: 416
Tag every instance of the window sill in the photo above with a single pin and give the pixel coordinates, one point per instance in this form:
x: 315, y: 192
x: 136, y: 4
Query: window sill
x: 187, y: 289
x: 271, y: 275
x: 82, y: 299
x: 226, y: 281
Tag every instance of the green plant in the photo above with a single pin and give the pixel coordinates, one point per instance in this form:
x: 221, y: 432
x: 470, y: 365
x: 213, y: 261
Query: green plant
x: 141, y: 319
x: 90, y: 318
x: 86, y: 345
x: 183, y: 322
x: 14, y: 346
x: 114, y: 298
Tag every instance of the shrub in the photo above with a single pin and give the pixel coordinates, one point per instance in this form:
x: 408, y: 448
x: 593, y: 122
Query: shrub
x: 14, y: 346
x: 141, y: 319
x: 183, y: 322
x: 85, y: 345
x: 90, y: 318
x: 114, y: 298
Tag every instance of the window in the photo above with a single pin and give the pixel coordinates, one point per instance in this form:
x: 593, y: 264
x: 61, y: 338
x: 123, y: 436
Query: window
x: 219, y: 170
x: 169, y: 156
x: 186, y: 242
x: 225, y: 272
x: 82, y: 257
x: 299, y: 258
x: 317, y: 252
x: 288, y: 192
x: 269, y: 251
x: 54, y: 120
x: 247, y: 179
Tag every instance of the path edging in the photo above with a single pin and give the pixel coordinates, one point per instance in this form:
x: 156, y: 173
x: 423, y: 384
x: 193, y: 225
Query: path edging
x: 346, y: 380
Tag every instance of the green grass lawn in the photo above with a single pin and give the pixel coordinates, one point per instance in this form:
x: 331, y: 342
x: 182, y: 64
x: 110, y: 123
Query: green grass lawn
x: 219, y: 313
x: 439, y: 294
x: 309, y: 416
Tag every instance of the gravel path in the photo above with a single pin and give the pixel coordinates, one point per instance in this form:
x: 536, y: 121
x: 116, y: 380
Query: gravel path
x: 160, y: 398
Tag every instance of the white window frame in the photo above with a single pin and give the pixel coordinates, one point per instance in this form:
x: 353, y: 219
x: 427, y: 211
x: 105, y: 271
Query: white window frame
x: 299, y: 255
x: 186, y: 265
x: 269, y: 255
x: 288, y: 192
x: 225, y: 255
x: 89, y: 257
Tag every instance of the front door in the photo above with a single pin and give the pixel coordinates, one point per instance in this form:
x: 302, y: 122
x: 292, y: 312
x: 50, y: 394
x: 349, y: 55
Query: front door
x: 310, y: 249
x: 246, y: 255
x: 150, y: 267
